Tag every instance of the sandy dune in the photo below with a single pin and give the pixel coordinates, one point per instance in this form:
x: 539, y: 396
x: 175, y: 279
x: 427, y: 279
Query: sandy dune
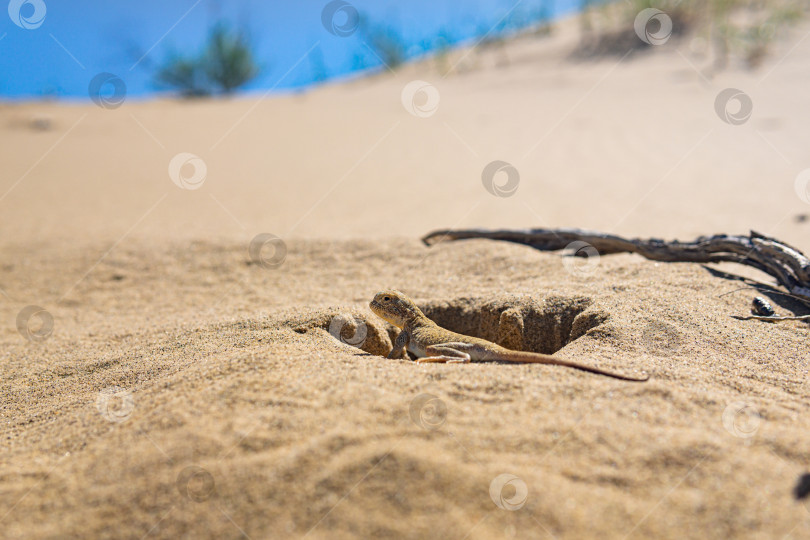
x: 188, y: 390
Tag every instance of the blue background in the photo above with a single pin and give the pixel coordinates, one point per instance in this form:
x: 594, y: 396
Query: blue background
x: 112, y: 36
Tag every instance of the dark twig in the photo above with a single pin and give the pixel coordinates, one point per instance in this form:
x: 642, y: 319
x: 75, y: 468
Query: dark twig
x: 788, y: 265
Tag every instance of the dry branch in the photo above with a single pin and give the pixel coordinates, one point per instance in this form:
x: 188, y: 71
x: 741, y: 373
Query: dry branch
x: 771, y: 318
x: 788, y: 265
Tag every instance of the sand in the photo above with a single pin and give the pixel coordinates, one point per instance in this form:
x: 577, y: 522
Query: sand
x: 189, y: 390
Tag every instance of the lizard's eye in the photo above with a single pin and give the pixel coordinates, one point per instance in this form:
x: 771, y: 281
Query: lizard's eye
x: 386, y: 298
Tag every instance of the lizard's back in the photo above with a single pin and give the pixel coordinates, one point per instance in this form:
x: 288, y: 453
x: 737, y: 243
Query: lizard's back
x: 426, y: 335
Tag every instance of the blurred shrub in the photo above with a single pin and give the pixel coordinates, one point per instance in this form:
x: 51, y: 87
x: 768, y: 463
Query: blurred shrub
x: 386, y: 44
x: 226, y: 64
x: 184, y: 75
x: 744, y: 29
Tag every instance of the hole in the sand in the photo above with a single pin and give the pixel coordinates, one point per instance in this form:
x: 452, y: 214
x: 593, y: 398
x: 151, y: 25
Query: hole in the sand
x: 523, y: 323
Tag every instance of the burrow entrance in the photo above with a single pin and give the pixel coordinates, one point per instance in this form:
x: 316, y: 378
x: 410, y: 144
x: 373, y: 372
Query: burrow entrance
x: 521, y: 323
x: 518, y: 322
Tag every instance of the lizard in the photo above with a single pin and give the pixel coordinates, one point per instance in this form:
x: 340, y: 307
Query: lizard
x: 432, y: 343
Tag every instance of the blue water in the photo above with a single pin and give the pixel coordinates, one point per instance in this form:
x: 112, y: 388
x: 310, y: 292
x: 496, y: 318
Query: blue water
x: 63, y: 45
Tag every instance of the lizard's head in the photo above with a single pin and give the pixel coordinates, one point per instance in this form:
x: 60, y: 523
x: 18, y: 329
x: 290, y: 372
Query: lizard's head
x: 394, y: 307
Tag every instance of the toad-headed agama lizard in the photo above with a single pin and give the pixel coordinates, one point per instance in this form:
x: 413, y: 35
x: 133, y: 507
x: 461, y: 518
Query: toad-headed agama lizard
x: 432, y: 343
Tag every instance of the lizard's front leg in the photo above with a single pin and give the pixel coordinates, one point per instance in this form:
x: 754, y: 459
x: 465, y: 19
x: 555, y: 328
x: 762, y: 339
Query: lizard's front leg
x: 400, y: 344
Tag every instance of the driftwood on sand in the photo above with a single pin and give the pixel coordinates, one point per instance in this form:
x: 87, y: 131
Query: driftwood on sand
x: 788, y: 265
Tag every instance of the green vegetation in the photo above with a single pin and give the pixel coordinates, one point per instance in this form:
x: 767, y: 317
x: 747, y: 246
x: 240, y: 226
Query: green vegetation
x: 384, y: 42
x: 226, y: 64
x: 743, y: 29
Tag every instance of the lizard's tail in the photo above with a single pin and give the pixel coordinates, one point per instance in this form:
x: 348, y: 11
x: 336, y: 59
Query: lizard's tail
x: 537, y: 358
